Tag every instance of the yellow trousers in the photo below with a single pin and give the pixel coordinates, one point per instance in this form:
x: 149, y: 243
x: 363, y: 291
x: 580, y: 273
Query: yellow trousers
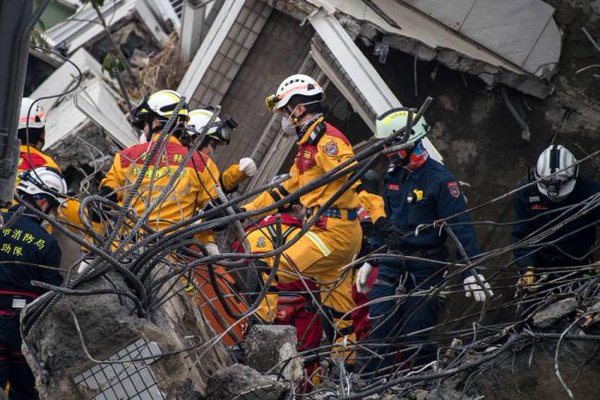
x: 319, y: 255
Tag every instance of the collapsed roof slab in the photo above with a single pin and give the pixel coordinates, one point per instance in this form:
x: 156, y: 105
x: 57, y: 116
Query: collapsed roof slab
x: 414, y: 32
x: 91, y: 103
x: 77, y: 102
x: 352, y: 73
x: 83, y: 29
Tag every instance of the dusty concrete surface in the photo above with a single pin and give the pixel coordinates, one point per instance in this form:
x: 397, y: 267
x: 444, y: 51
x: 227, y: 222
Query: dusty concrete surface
x: 525, y: 377
x: 554, y: 312
x: 239, y: 380
x: 271, y: 347
x: 175, y: 326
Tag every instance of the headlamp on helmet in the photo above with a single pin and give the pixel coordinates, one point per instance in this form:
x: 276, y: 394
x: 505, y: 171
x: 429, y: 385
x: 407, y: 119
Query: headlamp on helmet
x: 219, y: 129
x: 294, y: 85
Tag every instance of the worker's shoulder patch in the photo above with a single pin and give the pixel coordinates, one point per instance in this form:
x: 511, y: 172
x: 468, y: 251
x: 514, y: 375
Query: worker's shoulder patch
x: 453, y: 189
x: 261, y: 242
x: 331, y: 148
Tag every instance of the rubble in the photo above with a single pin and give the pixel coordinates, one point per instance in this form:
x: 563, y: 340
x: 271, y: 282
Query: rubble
x: 95, y: 113
x: 63, y: 368
x: 269, y: 347
x: 554, y: 312
x: 89, y: 114
x: 242, y: 382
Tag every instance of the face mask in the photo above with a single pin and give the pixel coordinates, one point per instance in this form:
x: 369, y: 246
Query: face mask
x: 287, y: 126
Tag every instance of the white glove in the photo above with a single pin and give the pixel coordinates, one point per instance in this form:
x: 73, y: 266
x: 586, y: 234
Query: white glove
x: 362, y: 277
x: 212, y: 249
x: 473, y: 288
x: 248, y: 166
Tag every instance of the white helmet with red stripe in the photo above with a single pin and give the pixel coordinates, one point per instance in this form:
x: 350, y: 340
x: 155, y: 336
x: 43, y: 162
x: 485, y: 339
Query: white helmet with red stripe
x: 291, y: 86
x: 36, y: 114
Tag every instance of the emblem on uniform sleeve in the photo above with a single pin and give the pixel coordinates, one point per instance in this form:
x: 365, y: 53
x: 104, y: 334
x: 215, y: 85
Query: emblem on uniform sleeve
x: 331, y: 148
x: 454, y: 189
x: 261, y: 243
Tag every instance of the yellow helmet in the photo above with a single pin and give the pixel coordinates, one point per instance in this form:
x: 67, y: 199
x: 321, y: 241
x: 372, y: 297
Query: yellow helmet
x: 394, y: 122
x: 159, y: 105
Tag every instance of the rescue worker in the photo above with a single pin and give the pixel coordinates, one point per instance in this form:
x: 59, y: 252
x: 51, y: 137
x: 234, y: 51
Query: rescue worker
x: 290, y: 303
x: 542, y: 207
x: 220, y: 134
x: 25, y: 248
x: 418, y: 190
x: 192, y: 189
x: 335, y: 239
x: 32, y: 133
x: 198, y: 283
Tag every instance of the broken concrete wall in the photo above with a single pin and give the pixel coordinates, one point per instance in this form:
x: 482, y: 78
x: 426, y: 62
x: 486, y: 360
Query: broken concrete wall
x: 109, y: 327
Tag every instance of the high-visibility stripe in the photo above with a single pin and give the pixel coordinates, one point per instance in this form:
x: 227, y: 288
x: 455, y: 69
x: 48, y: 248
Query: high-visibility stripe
x: 316, y: 240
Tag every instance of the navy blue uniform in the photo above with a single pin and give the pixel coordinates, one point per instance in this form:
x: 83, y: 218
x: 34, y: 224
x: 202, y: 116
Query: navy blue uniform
x: 428, y: 194
x: 581, y: 233
x: 23, y: 245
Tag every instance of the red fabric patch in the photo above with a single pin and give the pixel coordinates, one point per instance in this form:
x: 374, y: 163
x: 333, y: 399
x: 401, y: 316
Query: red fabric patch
x: 454, y: 189
x: 172, y: 156
x: 393, y: 186
x: 305, y: 158
x: 31, y: 161
x: 331, y: 149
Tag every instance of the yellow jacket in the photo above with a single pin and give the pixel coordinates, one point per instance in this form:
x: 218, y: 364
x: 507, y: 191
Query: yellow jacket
x: 33, y: 158
x: 192, y: 189
x: 231, y: 178
x: 317, y: 155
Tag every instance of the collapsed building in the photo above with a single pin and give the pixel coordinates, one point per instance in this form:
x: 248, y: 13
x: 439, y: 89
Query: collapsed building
x: 526, y: 64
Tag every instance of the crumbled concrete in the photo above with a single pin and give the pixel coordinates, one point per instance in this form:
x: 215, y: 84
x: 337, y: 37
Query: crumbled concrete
x: 108, y: 324
x: 238, y: 380
x: 269, y: 346
x: 554, y: 312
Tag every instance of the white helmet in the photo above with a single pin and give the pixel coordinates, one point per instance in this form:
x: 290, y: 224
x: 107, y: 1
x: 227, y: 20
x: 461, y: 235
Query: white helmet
x: 556, y: 158
x: 391, y: 123
x: 45, y: 181
x: 36, y: 114
x: 291, y: 86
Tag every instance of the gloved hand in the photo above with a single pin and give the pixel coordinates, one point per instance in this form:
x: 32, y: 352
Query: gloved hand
x: 391, y: 235
x: 472, y: 288
x: 247, y: 166
x: 527, y: 280
x: 362, y: 277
